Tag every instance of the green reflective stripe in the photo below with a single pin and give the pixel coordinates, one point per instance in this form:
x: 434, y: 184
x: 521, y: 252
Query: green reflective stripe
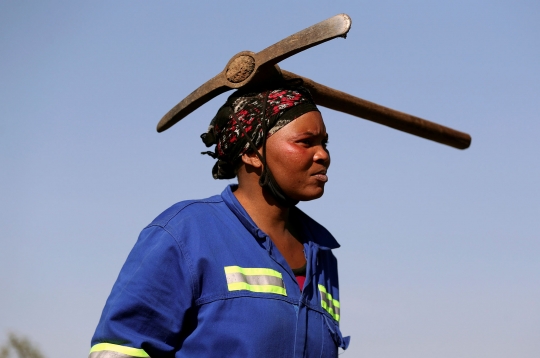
x: 238, y: 286
x: 262, y: 280
x: 133, y: 352
x: 252, y: 271
x: 329, y: 303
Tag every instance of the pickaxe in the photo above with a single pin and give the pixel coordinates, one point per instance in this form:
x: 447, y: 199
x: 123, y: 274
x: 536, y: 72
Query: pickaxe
x: 251, y: 68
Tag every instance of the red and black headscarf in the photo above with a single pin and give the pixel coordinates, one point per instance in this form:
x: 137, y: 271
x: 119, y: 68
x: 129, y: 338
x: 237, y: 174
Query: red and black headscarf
x: 247, y: 119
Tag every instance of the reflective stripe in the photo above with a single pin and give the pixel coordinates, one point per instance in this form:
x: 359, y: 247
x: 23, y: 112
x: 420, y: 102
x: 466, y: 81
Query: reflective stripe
x: 254, y: 279
x: 108, y: 350
x: 108, y: 354
x: 329, y: 304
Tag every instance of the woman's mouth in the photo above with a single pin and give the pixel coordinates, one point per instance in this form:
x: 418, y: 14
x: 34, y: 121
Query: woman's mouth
x: 321, y: 176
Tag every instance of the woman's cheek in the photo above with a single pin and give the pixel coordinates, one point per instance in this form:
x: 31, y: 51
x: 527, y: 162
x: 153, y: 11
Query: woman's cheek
x: 294, y: 152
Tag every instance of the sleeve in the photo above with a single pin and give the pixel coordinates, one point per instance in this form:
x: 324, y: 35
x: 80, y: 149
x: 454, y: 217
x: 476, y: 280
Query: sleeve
x: 149, y: 309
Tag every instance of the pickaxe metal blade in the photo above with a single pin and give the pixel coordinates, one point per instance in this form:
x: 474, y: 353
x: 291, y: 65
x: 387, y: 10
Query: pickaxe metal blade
x: 247, y: 67
x: 250, y: 68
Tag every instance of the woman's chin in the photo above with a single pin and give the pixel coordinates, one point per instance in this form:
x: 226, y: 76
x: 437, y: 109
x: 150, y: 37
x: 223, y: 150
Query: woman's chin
x: 311, y: 195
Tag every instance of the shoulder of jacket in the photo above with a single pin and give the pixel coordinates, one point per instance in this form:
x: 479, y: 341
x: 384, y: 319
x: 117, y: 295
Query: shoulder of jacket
x: 186, y: 209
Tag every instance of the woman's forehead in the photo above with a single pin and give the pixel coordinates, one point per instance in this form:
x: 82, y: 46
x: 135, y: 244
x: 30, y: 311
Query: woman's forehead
x: 310, y: 123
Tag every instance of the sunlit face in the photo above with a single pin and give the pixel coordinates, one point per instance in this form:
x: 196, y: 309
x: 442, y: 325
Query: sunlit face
x: 298, y: 158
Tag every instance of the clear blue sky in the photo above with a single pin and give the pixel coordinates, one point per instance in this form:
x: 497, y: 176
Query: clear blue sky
x: 440, y: 251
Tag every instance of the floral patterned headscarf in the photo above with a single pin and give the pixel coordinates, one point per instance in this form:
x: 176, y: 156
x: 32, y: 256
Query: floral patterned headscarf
x: 256, y: 114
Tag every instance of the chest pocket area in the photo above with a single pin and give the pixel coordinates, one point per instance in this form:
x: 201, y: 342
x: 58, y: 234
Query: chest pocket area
x: 262, y: 280
x: 332, y: 338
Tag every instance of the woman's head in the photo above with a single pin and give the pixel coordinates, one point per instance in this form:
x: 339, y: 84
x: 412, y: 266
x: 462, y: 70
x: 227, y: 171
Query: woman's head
x: 298, y: 158
x: 252, y: 117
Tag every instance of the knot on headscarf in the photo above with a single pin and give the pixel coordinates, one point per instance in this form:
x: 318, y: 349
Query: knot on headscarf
x: 256, y: 113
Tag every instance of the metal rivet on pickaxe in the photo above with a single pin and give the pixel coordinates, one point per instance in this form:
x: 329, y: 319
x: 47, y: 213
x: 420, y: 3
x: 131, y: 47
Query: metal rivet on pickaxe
x: 251, y: 68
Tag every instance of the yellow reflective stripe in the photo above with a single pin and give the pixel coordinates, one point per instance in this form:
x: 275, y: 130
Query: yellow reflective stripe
x: 329, y: 296
x: 331, y: 305
x: 252, y: 271
x: 263, y: 280
x: 134, y: 352
x: 335, y: 303
x: 324, y: 305
x: 238, y: 286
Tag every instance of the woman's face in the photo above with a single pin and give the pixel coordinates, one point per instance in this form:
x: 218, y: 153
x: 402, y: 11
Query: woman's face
x: 298, y: 158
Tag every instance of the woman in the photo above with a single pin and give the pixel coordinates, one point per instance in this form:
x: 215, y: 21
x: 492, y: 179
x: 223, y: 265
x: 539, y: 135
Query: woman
x: 244, y: 273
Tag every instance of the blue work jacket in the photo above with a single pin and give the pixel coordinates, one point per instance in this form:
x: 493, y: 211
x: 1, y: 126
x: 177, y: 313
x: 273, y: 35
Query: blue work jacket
x: 204, y: 281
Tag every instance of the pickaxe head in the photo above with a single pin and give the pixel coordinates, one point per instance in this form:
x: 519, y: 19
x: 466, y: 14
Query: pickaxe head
x: 249, y: 68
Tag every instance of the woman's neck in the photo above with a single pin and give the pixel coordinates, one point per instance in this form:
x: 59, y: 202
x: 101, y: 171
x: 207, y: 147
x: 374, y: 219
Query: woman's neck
x: 262, y: 208
x: 274, y: 220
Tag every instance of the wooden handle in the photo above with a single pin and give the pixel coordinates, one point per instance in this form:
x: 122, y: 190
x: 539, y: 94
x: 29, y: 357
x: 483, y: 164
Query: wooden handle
x: 343, y: 102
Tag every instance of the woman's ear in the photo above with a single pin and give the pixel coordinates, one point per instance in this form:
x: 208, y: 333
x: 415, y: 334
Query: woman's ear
x: 251, y: 159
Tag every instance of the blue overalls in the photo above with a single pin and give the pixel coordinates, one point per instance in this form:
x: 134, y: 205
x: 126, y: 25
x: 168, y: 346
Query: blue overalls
x: 204, y: 281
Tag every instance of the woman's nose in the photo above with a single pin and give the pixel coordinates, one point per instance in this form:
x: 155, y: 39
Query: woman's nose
x: 322, y: 155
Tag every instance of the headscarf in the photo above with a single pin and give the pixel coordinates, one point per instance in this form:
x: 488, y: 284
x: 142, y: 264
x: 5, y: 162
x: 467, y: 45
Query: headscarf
x: 247, y: 119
